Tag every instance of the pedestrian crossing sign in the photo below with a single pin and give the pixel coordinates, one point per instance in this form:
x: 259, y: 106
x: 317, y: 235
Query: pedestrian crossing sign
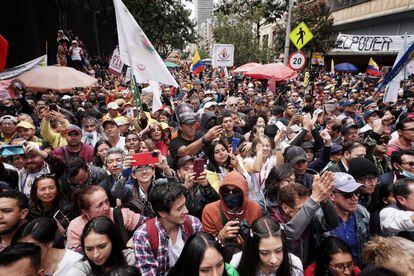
x: 300, y: 35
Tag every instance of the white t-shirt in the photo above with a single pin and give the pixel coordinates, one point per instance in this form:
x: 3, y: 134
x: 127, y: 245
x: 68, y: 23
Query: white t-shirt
x: 67, y: 262
x: 121, y: 143
x: 256, y: 184
x: 174, y: 250
x: 76, y: 53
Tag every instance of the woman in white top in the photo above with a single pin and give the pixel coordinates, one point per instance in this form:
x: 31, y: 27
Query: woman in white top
x: 54, y: 261
x: 103, y: 249
x: 259, y: 165
x: 265, y: 252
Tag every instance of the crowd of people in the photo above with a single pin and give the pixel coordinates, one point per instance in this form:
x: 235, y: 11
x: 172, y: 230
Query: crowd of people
x: 227, y: 178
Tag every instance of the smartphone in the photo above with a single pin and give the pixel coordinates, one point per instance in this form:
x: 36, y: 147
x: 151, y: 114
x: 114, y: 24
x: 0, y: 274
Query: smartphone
x: 53, y: 107
x: 60, y: 217
x: 219, y: 121
x: 235, y: 142
x: 198, y: 167
x: 280, y: 126
x: 10, y: 150
x: 145, y: 158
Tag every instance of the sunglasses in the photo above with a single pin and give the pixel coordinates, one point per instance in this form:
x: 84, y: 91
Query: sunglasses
x: 349, y: 195
x: 411, y: 163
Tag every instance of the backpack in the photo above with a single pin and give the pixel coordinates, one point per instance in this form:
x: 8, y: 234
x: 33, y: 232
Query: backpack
x: 153, y: 233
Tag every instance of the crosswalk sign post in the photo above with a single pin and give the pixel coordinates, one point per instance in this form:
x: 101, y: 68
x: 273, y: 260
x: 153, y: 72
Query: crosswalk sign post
x: 300, y: 35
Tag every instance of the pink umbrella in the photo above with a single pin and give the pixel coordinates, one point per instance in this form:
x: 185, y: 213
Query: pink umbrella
x: 55, y: 77
x: 276, y: 71
x: 246, y: 67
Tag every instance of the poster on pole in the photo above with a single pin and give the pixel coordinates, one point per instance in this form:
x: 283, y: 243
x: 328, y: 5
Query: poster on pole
x: 223, y: 55
x: 115, y: 65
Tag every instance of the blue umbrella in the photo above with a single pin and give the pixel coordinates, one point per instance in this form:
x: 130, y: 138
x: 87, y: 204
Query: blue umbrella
x: 346, y: 67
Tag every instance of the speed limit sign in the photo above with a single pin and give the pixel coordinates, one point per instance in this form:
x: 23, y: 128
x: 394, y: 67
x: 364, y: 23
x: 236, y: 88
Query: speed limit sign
x: 297, y: 60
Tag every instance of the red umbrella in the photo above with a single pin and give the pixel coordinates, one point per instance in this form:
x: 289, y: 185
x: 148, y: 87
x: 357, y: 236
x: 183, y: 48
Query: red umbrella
x: 247, y: 67
x: 276, y: 71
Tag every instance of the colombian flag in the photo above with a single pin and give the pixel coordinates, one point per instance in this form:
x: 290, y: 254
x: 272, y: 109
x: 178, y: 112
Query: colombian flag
x: 197, y: 66
x: 373, y: 68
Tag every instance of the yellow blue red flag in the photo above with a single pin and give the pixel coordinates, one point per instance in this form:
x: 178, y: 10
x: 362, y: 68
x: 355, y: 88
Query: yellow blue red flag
x: 373, y: 68
x: 197, y: 65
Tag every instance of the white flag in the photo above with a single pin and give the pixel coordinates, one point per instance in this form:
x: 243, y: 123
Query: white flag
x: 156, y: 96
x: 137, y: 51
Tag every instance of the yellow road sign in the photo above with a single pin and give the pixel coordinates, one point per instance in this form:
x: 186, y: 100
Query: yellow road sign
x: 300, y: 35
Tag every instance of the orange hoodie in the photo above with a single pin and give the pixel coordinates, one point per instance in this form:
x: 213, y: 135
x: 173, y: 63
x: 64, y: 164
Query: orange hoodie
x: 211, y: 218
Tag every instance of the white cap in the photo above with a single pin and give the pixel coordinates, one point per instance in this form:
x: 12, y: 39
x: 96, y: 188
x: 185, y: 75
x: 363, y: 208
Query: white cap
x: 210, y: 104
x: 112, y: 105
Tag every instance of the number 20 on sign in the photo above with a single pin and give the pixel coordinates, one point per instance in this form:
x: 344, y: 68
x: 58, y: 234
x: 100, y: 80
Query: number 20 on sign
x: 297, y: 60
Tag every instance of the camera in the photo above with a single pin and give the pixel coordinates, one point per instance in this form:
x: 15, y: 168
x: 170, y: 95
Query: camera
x: 244, y: 229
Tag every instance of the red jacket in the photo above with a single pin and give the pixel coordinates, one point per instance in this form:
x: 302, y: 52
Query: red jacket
x: 310, y: 270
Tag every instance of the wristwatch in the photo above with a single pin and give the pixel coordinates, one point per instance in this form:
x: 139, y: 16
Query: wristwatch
x: 204, y: 140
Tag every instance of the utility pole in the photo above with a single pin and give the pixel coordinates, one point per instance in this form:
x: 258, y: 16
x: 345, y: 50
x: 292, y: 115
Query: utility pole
x: 287, y: 40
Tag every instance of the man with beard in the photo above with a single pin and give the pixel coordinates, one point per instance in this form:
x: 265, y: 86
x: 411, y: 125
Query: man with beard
x: 74, y: 148
x: 14, y: 207
x: 37, y: 162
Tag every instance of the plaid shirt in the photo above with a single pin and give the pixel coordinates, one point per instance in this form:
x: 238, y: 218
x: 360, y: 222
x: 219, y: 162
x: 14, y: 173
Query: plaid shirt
x: 144, y: 257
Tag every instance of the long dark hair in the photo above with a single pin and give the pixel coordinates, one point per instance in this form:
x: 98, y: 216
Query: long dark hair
x: 212, y: 164
x: 42, y: 230
x: 276, y: 175
x: 329, y: 247
x: 35, y: 203
x: 262, y: 228
x: 104, y: 226
x: 193, y: 253
x: 97, y: 160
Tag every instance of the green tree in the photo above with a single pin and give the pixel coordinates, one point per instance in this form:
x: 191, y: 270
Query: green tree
x: 241, y: 35
x: 258, y: 12
x: 317, y: 16
x: 166, y: 23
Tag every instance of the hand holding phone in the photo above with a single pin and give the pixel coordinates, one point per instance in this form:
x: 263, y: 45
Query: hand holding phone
x: 145, y: 158
x: 60, y: 217
x: 198, y: 167
x: 235, y: 143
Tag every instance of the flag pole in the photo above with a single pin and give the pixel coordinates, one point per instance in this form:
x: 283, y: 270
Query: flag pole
x: 138, y: 103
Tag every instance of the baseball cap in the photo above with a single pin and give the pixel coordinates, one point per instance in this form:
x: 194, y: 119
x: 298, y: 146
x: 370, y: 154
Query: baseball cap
x: 307, y: 145
x: 210, y: 104
x: 8, y: 117
x: 345, y: 128
x: 370, y: 112
x: 346, y: 103
x: 197, y: 81
x: 121, y: 120
x: 184, y: 159
x: 26, y: 125
x: 345, y: 182
x: 335, y: 148
x: 74, y: 41
x: 368, y: 102
x: 66, y: 97
x: 109, y: 121
x: 71, y: 128
x: 112, y: 105
x: 295, y: 154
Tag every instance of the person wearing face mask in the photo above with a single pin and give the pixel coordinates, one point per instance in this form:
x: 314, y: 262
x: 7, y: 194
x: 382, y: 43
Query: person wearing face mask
x: 224, y: 217
x: 92, y: 131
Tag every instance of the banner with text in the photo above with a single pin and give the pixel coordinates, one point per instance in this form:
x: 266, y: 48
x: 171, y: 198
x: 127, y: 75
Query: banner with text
x: 370, y: 43
x: 15, y: 71
x: 115, y: 65
x: 223, y: 55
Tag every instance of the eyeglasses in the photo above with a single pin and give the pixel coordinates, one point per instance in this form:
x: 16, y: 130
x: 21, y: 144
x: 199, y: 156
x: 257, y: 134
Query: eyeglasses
x: 232, y: 104
x: 343, y: 267
x: 348, y: 195
x: 411, y: 163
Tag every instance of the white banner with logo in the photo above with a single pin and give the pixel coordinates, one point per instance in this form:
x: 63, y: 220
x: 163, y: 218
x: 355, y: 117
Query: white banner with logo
x: 223, y: 55
x: 371, y: 43
x: 15, y: 71
x: 115, y: 65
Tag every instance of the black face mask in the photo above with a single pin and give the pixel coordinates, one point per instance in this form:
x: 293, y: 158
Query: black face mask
x: 233, y: 201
